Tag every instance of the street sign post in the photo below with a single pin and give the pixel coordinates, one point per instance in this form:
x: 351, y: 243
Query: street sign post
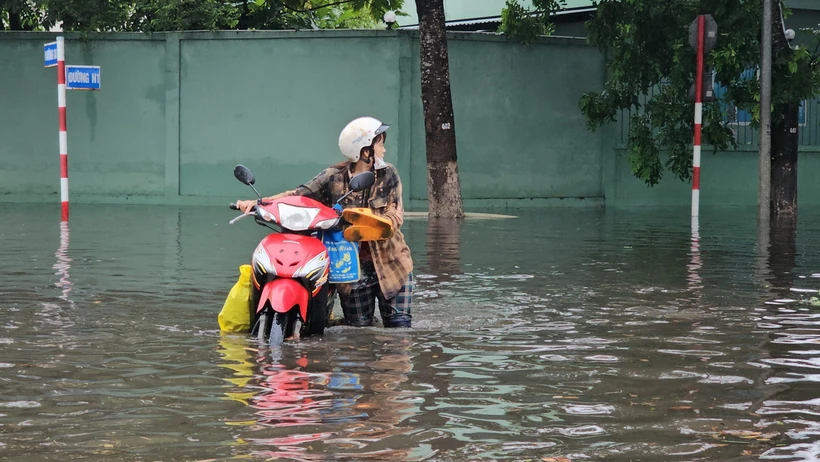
x: 710, y: 30
x: 68, y: 78
x: 50, y: 50
x: 82, y: 77
x: 702, y: 38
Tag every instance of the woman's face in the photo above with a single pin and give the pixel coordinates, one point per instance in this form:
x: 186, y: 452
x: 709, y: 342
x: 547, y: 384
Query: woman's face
x: 378, y: 148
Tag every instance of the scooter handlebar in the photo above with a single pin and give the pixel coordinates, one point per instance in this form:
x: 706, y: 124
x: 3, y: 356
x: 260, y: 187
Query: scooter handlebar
x: 233, y: 206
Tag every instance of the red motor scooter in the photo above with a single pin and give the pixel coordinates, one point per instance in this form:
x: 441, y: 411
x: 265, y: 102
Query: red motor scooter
x: 291, y: 267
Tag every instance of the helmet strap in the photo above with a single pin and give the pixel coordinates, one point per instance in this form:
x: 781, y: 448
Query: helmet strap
x: 369, y: 158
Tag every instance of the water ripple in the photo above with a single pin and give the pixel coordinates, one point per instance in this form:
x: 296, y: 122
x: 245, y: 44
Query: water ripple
x: 582, y: 334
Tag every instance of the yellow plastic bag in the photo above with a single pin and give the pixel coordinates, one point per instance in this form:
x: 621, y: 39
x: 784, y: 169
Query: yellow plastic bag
x: 235, y: 315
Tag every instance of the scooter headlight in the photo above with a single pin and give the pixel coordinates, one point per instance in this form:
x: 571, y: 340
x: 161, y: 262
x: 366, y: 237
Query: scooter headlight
x: 267, y: 216
x: 296, y: 218
x: 327, y: 224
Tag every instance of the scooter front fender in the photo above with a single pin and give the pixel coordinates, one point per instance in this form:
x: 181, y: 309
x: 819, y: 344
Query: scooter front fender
x: 283, y: 294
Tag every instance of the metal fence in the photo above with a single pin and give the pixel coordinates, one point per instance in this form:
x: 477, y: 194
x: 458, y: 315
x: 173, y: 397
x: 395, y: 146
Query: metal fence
x: 739, y: 121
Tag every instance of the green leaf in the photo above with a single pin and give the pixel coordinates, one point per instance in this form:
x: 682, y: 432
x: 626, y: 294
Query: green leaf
x: 524, y: 25
x: 651, y: 67
x: 170, y: 15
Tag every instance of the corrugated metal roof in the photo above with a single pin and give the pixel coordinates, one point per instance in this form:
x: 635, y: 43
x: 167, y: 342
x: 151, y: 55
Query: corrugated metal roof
x: 803, y: 4
x: 497, y: 19
x: 468, y: 10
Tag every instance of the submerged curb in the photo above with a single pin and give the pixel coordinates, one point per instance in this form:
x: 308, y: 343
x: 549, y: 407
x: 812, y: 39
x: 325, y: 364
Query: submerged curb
x: 467, y: 215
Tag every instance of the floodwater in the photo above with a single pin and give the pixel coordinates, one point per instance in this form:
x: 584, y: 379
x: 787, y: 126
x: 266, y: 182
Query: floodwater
x: 576, y: 334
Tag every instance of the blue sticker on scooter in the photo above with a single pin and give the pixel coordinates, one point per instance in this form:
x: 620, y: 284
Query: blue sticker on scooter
x: 344, y: 258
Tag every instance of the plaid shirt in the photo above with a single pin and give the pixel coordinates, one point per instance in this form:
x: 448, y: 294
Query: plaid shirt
x: 391, y: 257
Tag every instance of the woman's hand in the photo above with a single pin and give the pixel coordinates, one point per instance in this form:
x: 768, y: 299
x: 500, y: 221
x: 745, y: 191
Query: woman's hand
x: 245, y: 206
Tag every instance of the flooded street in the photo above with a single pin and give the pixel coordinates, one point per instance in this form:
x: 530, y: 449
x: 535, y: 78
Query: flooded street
x: 585, y: 334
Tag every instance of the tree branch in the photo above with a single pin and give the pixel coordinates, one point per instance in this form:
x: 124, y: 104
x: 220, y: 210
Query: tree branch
x: 779, y: 42
x: 15, y: 21
x: 815, y: 55
x: 308, y: 10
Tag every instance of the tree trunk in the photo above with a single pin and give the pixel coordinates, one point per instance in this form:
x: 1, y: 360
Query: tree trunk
x: 784, y: 134
x: 784, y: 161
x: 443, y: 186
x: 242, y: 24
x: 15, y: 21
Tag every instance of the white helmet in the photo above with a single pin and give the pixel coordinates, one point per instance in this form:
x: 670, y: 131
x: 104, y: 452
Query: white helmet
x: 359, y: 134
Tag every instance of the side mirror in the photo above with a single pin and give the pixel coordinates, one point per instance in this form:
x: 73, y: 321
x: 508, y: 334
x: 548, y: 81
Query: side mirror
x: 244, y: 175
x: 362, y: 181
x: 359, y: 182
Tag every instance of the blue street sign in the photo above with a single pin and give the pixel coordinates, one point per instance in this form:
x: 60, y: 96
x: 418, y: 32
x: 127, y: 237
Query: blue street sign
x: 51, y: 54
x: 82, y: 77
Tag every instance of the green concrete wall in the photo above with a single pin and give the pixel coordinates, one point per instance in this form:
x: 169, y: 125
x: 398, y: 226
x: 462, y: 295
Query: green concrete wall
x: 529, y: 145
x: 277, y: 106
x: 727, y: 179
x: 117, y: 136
x: 178, y: 111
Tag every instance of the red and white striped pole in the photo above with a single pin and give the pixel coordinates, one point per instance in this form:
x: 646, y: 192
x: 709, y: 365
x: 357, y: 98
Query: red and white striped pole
x: 63, y: 125
x: 698, y: 119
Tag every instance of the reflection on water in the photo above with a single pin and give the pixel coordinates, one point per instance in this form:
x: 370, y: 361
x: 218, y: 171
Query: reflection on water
x: 344, y: 404
x: 583, y: 334
x: 63, y: 263
x: 444, y: 246
x: 695, y: 281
